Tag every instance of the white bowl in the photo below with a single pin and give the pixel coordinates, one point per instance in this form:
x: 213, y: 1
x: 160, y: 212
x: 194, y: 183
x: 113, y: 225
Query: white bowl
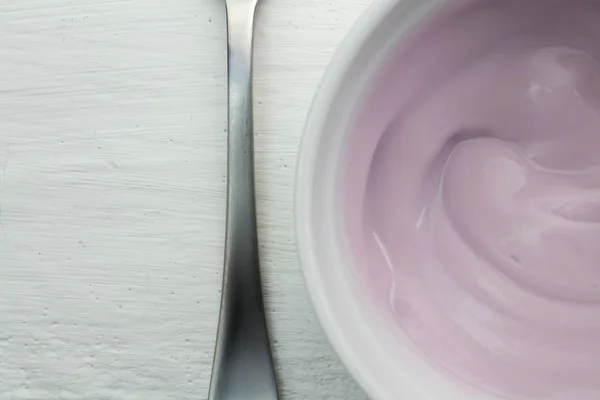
x: 384, y: 361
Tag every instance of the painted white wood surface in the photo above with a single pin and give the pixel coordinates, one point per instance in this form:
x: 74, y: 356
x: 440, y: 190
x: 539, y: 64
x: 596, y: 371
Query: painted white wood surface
x: 112, y: 194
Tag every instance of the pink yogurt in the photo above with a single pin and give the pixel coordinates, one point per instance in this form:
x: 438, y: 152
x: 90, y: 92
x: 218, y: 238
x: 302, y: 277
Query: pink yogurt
x: 474, y: 195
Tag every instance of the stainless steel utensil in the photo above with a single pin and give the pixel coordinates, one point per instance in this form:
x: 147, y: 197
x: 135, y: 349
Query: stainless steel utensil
x: 243, y: 366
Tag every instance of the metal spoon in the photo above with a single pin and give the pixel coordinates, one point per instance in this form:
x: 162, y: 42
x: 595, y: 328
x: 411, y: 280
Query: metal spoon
x: 243, y: 366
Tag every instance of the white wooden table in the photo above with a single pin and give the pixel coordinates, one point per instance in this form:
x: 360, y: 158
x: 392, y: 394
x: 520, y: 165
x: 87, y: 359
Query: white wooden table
x: 112, y: 194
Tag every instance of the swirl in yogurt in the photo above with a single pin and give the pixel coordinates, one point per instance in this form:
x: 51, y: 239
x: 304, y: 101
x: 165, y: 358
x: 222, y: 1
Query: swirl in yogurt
x: 475, y: 194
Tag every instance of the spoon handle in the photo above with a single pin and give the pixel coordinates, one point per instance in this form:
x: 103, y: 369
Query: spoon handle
x: 243, y: 366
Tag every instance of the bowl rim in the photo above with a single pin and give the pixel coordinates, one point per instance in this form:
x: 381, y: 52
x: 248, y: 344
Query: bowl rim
x: 324, y: 96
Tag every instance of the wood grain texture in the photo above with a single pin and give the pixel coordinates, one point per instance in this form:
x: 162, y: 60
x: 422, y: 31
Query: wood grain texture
x: 112, y: 194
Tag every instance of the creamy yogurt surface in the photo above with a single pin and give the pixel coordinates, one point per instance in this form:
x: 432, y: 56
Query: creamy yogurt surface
x: 474, y: 194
